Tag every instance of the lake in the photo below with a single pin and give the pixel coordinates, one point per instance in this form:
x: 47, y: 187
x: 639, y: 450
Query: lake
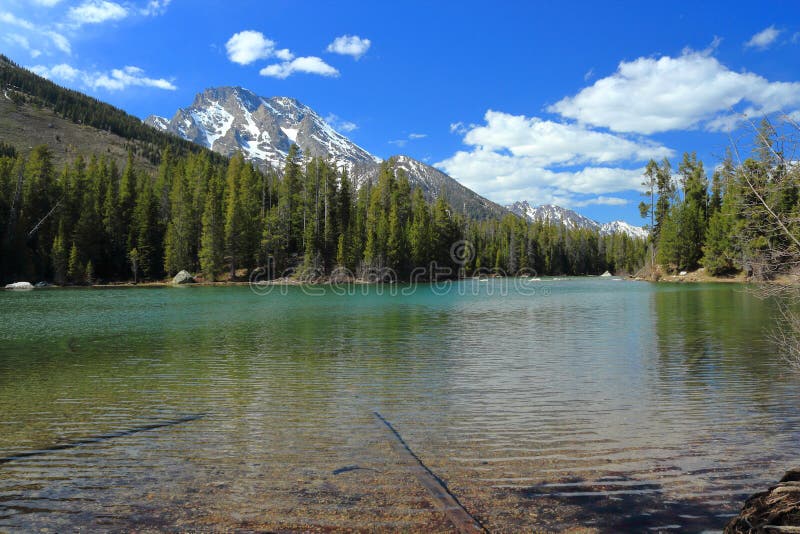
x: 612, y: 405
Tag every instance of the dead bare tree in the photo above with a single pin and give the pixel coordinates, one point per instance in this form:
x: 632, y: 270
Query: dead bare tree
x: 769, y: 240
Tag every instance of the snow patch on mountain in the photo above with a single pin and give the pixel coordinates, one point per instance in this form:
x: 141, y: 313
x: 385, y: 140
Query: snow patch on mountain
x: 548, y: 213
x: 622, y: 227
x: 231, y: 119
x: 157, y: 122
x: 291, y: 133
x: 214, y: 120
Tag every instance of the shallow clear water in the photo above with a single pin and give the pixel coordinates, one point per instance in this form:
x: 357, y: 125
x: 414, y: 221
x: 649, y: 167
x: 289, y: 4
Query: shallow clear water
x: 612, y: 405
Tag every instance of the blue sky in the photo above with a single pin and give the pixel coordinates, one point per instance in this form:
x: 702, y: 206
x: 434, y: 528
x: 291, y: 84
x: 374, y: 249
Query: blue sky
x: 546, y: 102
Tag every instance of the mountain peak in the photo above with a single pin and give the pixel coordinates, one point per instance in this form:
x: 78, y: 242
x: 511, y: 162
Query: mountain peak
x: 230, y: 119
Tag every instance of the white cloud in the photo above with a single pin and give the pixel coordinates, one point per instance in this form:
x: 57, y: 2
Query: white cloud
x: 248, y: 46
x: 506, y: 178
x: 460, y: 128
x: 130, y: 76
x: 546, y: 143
x: 764, y: 38
x: 22, y: 42
x: 339, y: 124
x: 601, y: 201
x: 115, y: 80
x: 693, y: 90
x: 13, y: 20
x: 61, y: 72
x: 46, y: 3
x: 284, y: 54
x: 97, y: 11
x: 308, y: 65
x: 153, y: 7
x: 60, y: 42
x: 515, y: 157
x: 57, y: 39
x: 411, y: 137
x: 350, y: 45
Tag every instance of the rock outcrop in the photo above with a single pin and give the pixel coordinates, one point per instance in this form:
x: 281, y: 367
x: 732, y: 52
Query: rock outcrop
x: 20, y: 285
x: 183, y: 277
x: 771, y: 511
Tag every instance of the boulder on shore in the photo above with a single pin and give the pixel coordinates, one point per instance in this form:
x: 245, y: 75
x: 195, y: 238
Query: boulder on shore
x: 605, y: 274
x: 20, y: 285
x: 183, y: 277
x: 769, y: 511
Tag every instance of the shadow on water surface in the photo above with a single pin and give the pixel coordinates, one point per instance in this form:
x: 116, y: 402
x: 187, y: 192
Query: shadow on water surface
x: 621, y: 504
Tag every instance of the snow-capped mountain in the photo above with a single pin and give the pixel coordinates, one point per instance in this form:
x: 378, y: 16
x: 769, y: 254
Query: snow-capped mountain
x: 231, y: 119
x: 621, y: 227
x: 570, y: 219
x: 549, y: 213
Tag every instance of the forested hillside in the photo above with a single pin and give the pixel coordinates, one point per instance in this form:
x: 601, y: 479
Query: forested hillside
x: 95, y: 221
x: 24, y: 88
x: 747, y: 220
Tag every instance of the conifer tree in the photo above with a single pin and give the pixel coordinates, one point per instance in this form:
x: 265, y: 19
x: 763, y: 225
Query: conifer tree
x: 212, y: 241
x: 61, y: 257
x: 75, y: 272
x: 177, y: 243
x: 235, y: 239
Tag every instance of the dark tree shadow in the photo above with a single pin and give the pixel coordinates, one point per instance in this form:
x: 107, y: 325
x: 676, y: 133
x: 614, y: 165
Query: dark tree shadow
x: 623, y: 505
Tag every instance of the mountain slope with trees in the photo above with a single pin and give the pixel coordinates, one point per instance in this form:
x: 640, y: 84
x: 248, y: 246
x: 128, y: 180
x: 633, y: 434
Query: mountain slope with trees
x: 233, y: 119
x: 89, y: 217
x: 82, y: 120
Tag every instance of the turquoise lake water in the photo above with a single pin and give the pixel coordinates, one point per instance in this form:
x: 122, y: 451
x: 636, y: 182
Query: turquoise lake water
x: 609, y: 404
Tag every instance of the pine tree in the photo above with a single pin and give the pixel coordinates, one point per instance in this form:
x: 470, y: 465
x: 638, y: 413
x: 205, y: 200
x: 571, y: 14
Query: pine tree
x: 212, y: 241
x: 148, y: 233
x: 60, y: 257
x: 75, y: 272
x: 235, y: 244
x: 419, y: 234
x: 177, y: 243
x: 89, y: 270
x: 665, y: 196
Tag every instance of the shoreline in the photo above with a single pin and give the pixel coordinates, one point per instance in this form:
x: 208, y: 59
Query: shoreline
x: 691, y: 277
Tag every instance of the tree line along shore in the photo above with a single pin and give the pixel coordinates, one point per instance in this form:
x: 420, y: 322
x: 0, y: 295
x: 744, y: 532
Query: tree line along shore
x: 92, y: 221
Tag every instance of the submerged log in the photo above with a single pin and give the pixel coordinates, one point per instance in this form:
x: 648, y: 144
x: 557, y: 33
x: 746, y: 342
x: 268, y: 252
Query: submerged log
x: 443, y: 498
x: 774, y: 510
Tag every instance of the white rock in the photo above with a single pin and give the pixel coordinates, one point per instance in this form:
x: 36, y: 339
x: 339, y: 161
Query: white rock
x: 183, y: 277
x: 20, y: 285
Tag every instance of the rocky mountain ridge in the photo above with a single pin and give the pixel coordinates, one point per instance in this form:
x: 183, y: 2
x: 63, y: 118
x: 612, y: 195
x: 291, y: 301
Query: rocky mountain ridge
x: 571, y: 219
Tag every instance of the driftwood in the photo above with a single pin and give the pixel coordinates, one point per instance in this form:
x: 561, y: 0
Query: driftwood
x: 776, y: 510
x: 98, y: 438
x: 462, y: 520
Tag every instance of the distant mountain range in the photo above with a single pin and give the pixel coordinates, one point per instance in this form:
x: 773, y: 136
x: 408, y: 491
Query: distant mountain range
x: 571, y: 219
x: 231, y: 119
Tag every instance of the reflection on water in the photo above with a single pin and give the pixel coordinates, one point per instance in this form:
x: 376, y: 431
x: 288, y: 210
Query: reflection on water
x: 608, y: 405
